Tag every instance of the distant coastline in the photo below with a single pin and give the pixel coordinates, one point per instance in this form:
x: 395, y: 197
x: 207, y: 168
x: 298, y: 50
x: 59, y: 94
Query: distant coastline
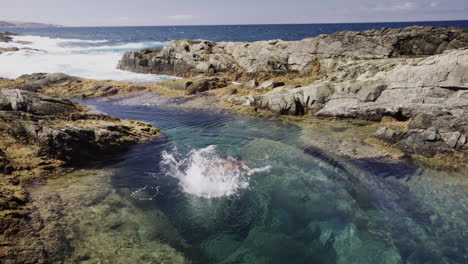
x: 15, y: 24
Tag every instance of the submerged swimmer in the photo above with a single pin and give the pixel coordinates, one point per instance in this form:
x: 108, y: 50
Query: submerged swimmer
x: 229, y: 165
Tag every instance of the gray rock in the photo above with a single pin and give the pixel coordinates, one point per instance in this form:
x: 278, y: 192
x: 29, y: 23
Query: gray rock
x: 242, y: 100
x: 251, y: 84
x: 401, y: 88
x: 270, y: 84
x: 24, y: 101
x: 453, y: 140
x: 428, y: 135
x: 196, y: 84
x: 36, y: 81
x: 182, y: 57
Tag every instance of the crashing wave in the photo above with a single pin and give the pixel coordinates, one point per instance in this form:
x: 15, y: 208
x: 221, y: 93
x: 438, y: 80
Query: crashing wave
x: 92, y: 59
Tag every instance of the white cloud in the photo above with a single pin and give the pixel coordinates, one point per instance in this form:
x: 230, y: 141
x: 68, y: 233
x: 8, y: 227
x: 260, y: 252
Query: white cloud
x: 405, y: 6
x: 434, y: 4
x: 399, y: 6
x: 181, y: 17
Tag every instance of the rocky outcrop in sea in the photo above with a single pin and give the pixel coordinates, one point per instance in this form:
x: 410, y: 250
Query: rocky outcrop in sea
x: 5, y: 37
x: 183, y: 57
x: 398, y: 73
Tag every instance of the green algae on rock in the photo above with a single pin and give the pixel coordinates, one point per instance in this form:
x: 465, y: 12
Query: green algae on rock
x: 44, y: 137
x: 99, y: 224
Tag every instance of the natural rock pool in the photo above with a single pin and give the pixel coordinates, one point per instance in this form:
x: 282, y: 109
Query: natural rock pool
x: 157, y: 202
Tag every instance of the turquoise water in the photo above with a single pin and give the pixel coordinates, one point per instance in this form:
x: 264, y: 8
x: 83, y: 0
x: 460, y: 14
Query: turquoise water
x: 303, y: 207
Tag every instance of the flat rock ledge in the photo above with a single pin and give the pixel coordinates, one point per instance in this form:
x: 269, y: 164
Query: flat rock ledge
x: 40, y: 137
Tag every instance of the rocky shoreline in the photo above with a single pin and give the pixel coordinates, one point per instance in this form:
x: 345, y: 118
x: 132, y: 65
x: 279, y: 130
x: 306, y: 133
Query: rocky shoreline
x: 401, y: 74
x: 411, y: 84
x: 45, y: 137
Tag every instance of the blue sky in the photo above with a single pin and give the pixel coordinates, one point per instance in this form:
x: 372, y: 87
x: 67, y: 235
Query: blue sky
x: 209, y: 12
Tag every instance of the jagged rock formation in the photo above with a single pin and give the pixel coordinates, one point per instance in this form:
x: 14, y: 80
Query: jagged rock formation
x: 436, y: 86
x: 369, y: 90
x: 63, y: 131
x: 362, y: 75
x: 184, y: 57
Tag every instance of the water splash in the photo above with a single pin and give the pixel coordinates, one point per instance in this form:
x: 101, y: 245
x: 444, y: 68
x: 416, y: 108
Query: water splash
x: 204, y: 173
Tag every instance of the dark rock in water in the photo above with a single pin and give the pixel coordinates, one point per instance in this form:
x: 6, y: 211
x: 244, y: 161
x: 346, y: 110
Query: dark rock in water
x: 384, y: 168
x: 5, y: 37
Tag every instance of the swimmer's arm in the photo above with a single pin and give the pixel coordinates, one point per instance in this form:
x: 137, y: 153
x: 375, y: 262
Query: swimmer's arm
x: 245, y: 167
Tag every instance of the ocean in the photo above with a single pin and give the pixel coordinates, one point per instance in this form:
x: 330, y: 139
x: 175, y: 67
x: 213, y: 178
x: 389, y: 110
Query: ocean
x: 93, y: 52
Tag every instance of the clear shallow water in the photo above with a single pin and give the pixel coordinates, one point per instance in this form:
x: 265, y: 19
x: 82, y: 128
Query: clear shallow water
x: 95, y: 52
x: 308, y: 208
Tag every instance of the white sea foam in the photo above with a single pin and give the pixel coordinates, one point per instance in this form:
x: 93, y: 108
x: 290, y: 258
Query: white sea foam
x: 204, y: 173
x: 82, y: 58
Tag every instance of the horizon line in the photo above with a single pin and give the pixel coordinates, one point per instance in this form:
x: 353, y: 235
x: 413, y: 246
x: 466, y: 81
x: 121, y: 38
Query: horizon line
x: 259, y: 24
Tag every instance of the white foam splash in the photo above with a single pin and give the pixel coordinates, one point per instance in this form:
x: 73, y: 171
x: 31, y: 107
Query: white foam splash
x: 93, y: 59
x: 202, y: 172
